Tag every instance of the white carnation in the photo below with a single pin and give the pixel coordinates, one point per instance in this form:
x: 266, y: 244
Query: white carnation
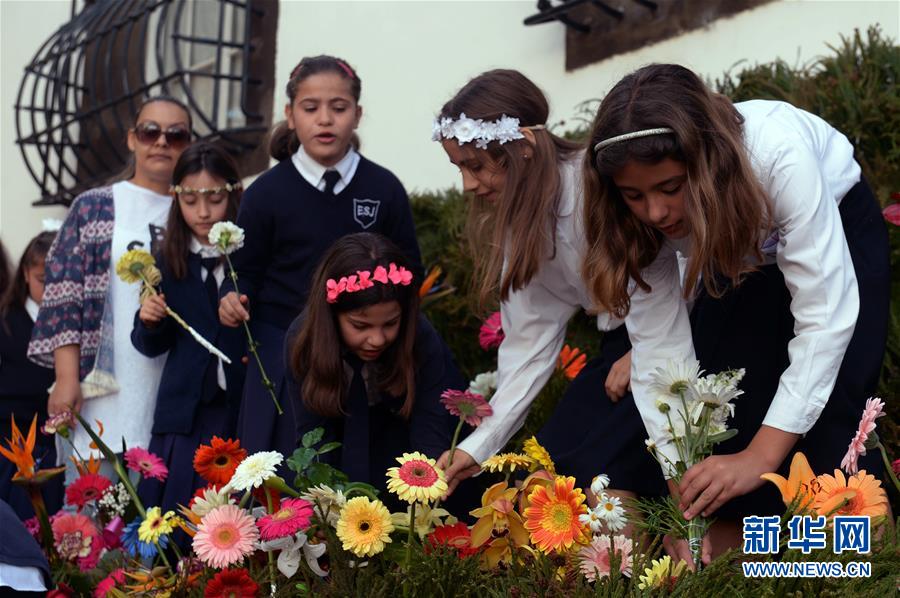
x: 228, y: 237
x: 484, y: 384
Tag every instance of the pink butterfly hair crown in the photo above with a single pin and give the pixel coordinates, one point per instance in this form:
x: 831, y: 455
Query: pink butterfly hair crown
x: 364, y: 279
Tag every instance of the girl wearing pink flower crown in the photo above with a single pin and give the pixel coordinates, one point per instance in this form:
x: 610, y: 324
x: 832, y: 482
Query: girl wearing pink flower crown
x: 366, y: 365
x: 527, y: 201
x: 321, y: 189
x: 788, y: 271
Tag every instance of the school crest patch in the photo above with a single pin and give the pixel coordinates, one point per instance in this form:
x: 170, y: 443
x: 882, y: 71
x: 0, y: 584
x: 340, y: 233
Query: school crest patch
x: 365, y: 211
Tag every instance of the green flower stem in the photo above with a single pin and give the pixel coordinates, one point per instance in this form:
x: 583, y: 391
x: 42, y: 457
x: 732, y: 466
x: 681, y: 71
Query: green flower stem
x: 272, y: 587
x: 245, y: 499
x: 887, y: 466
x: 352, y: 488
x: 453, y: 442
x: 162, y: 555
x: 409, y: 537
x: 251, y: 344
x: 40, y: 510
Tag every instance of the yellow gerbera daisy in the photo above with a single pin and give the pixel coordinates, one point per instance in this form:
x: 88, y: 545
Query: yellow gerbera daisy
x: 364, y: 526
x: 507, y: 463
x: 539, y: 455
x: 553, y: 515
x: 418, y: 479
x: 660, y: 573
x: 132, y: 264
x: 860, y: 494
x: 155, y: 524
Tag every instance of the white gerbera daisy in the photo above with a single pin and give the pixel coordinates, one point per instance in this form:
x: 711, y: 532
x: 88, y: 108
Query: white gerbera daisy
x: 327, y: 502
x: 675, y: 379
x: 255, y: 469
x: 210, y: 499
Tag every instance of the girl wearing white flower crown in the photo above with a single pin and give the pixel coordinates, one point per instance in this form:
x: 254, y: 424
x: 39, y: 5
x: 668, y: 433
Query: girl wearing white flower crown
x: 526, y: 233
x: 787, y: 266
x: 199, y: 393
x: 321, y: 190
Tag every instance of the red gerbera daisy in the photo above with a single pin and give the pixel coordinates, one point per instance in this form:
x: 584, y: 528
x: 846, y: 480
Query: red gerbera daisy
x: 457, y: 537
x: 231, y: 583
x: 86, y: 488
x: 216, y: 462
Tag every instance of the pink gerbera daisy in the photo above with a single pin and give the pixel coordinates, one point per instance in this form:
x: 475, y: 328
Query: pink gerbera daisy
x: 225, y: 536
x: 874, y: 409
x: 77, y: 539
x: 491, y: 334
x: 292, y: 516
x: 86, y: 488
x: 595, y: 559
x: 146, y: 463
x: 467, y: 405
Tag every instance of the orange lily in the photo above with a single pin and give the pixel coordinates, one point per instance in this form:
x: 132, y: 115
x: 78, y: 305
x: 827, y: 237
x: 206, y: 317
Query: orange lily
x: 571, y: 361
x: 429, y: 281
x: 20, y: 450
x: 801, y: 485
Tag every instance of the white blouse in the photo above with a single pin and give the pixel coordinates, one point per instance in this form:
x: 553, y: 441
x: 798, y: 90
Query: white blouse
x: 534, y: 322
x: 807, y: 167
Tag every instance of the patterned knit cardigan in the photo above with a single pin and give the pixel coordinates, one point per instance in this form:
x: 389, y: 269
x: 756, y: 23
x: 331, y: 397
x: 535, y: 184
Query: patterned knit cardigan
x: 77, y: 278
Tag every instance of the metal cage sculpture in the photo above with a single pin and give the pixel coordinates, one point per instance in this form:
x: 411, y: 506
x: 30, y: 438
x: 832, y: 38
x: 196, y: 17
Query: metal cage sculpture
x: 79, y: 94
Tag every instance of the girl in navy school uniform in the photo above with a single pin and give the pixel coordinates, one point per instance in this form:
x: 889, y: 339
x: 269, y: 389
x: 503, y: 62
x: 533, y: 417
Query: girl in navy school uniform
x: 199, y: 394
x: 787, y: 262
x: 23, y: 385
x: 526, y: 200
x: 321, y: 190
x: 366, y: 365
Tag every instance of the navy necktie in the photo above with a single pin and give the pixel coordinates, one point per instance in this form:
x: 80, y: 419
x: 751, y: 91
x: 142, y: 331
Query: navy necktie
x: 331, y: 179
x: 211, y: 375
x: 355, y: 453
x: 212, y: 288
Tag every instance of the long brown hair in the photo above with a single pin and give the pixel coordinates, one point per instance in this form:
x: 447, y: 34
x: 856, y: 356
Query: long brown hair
x: 727, y: 210
x: 16, y: 292
x: 316, y: 355
x: 283, y: 141
x: 217, y: 162
x: 519, y: 227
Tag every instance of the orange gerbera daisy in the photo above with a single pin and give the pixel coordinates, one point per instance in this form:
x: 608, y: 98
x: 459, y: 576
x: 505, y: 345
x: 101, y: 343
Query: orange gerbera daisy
x: 216, y: 463
x: 552, y: 517
x: 571, y: 361
x: 861, y: 494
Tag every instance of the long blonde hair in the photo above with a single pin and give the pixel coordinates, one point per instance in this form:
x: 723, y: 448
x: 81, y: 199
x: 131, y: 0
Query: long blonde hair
x: 727, y: 210
x: 519, y: 227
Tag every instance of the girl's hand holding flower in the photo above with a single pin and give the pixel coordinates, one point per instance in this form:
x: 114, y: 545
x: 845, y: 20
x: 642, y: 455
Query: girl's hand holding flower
x: 153, y: 310
x: 463, y: 467
x: 233, y: 310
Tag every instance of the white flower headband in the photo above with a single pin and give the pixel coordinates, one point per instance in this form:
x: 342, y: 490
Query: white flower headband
x: 465, y: 129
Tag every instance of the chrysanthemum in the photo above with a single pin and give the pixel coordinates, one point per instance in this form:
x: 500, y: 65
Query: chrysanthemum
x: 552, y: 517
x: 216, y: 462
x: 661, y: 573
x: 610, y: 510
x: 146, y: 463
x: 675, y: 379
x: 88, y: 487
x: 469, y: 406
x: 132, y: 542
x: 364, y: 526
x: 231, y: 583
x: 539, y: 455
x: 491, y: 334
x: 132, y: 264
x: 595, y: 559
x: 292, y: 516
x: 861, y: 494
x: 156, y: 524
x: 328, y: 503
x: 207, y: 499
x: 873, y: 410
x: 418, y: 479
x: 507, y: 463
x: 225, y: 536
x: 255, y: 469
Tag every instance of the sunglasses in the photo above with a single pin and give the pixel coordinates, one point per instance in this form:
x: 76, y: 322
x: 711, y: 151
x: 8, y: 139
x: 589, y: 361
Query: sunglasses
x: 148, y: 132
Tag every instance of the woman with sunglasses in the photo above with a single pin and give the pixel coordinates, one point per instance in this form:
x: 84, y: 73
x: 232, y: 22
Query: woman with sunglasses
x: 84, y: 325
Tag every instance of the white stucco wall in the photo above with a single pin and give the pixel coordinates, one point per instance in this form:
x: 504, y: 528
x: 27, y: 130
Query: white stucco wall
x: 413, y: 55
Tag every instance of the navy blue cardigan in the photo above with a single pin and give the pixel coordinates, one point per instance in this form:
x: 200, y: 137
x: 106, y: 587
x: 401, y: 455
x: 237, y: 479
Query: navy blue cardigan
x: 429, y: 428
x: 180, y: 389
x: 289, y: 225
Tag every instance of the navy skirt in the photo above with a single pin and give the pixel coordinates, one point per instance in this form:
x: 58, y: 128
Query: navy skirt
x: 750, y: 327
x: 259, y: 426
x: 588, y: 434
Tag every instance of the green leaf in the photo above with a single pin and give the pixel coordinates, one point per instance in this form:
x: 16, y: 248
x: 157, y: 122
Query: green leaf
x: 328, y: 447
x: 301, y: 459
x: 721, y: 437
x: 312, y: 437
